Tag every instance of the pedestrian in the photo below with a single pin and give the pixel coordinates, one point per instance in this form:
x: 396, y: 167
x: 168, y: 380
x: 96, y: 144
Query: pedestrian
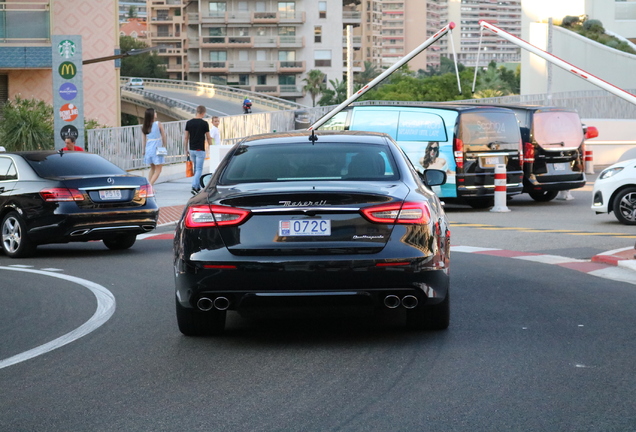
x: 70, y: 144
x: 153, y: 137
x: 196, y: 141
x: 216, y: 136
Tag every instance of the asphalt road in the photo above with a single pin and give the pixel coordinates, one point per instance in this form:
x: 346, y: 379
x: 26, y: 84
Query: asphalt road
x: 215, y: 106
x: 531, y: 346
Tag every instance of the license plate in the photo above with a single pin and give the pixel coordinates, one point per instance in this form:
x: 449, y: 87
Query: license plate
x: 110, y: 194
x: 491, y: 161
x: 304, y: 227
x: 560, y: 166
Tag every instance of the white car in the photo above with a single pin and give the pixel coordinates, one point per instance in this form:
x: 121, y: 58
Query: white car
x: 136, y: 83
x: 615, y: 190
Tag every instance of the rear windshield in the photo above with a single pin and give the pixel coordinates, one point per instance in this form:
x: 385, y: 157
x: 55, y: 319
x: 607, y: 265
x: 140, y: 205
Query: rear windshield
x: 401, y: 125
x: 558, y: 128
x: 489, y: 131
x: 71, y: 164
x: 319, y: 162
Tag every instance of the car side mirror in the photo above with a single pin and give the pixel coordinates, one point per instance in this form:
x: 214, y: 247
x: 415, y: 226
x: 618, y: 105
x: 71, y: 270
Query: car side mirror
x: 434, y: 177
x: 591, y: 132
x: 205, y: 179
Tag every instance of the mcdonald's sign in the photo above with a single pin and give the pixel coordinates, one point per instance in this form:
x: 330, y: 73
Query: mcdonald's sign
x: 67, y: 70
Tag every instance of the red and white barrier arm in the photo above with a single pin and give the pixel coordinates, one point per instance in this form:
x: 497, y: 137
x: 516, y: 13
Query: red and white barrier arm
x: 560, y: 63
x: 448, y: 27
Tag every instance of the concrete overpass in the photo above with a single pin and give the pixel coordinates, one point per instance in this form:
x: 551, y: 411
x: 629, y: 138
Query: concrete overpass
x: 177, y: 100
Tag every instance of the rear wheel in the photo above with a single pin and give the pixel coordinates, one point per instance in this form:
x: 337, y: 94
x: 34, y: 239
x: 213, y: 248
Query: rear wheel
x: 120, y: 242
x: 480, y: 203
x: 193, y: 322
x: 430, y: 317
x: 625, y: 206
x: 543, y: 196
x: 15, y: 242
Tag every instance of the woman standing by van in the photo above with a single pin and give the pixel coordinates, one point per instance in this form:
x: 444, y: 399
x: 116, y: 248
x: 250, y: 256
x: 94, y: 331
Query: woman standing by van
x: 153, y: 137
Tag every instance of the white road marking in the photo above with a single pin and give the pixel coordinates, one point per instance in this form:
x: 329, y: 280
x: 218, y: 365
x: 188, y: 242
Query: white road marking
x: 549, y: 259
x: 105, y: 309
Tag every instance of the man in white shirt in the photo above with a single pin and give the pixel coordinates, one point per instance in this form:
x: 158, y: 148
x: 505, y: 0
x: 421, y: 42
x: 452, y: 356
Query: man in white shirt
x: 216, y: 135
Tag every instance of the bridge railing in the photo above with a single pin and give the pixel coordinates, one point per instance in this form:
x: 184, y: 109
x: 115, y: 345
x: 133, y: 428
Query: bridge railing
x: 220, y: 90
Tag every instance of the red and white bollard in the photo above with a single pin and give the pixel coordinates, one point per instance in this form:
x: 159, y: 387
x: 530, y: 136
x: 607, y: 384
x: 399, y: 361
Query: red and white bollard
x: 500, y: 189
x: 589, y: 162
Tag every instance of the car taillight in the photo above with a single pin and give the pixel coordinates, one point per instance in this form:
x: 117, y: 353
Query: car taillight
x: 146, y: 191
x: 592, y: 132
x: 528, y: 152
x: 458, y: 148
x: 407, y: 213
x: 202, y: 216
x: 61, y: 194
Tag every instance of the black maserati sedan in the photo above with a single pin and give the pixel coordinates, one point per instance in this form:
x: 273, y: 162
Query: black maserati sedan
x: 61, y: 197
x: 306, y: 222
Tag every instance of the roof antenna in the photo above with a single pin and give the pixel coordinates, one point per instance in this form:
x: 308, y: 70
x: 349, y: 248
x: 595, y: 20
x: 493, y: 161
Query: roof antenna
x: 313, y: 138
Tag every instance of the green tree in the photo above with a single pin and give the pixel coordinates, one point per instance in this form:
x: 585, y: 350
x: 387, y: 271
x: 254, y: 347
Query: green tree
x: 132, y: 12
x: 27, y: 124
x: 146, y: 65
x: 367, y: 75
x: 314, y: 84
x: 336, y: 94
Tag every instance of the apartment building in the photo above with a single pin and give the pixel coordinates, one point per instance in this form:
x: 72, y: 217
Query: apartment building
x: 26, y: 51
x: 263, y: 46
x: 466, y: 14
x: 406, y: 25
x: 137, y: 7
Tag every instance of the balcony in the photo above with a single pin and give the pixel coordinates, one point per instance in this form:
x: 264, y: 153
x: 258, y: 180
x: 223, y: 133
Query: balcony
x: 265, y: 41
x: 170, y: 51
x: 218, y: 42
x: 193, y: 18
x: 291, y: 18
x: 351, y: 17
x: 167, y: 3
x: 356, y: 41
x: 291, y: 42
x: 265, y: 18
x: 290, y: 91
x: 291, y: 67
x: 193, y: 67
x: 239, y: 66
x: 167, y: 19
x: 238, y: 17
x: 214, y: 67
x: 265, y: 67
x: 194, y: 43
x: 25, y: 23
x: 165, y: 35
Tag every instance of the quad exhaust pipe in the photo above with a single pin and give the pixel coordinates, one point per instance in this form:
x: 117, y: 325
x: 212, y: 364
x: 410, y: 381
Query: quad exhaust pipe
x: 220, y: 303
x: 392, y: 301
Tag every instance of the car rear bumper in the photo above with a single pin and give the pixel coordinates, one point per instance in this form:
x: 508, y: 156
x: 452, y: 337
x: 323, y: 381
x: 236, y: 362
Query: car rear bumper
x: 554, y: 183
x: 285, y: 284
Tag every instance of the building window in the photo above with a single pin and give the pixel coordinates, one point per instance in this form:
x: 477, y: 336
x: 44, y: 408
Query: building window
x: 244, y: 31
x: 218, y: 80
x: 217, y: 31
x: 261, y: 55
x: 244, y: 79
x: 286, y: 31
x: 260, y: 6
x: 287, y: 55
x: 317, y: 34
x: 322, y: 9
x: 287, y: 10
x: 243, y: 55
x: 218, y: 56
x: 242, y: 6
x: 261, y: 79
x: 217, y: 9
x: 322, y: 58
x: 286, y: 79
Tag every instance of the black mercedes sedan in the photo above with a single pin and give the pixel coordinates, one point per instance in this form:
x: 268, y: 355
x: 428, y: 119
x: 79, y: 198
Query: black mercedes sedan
x: 303, y: 222
x: 60, y: 197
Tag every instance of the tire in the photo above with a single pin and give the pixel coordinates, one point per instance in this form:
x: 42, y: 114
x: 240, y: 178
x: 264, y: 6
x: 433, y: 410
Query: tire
x: 193, y: 322
x: 543, y: 196
x: 432, y: 317
x: 15, y: 241
x: 480, y: 203
x: 624, y: 206
x: 120, y: 242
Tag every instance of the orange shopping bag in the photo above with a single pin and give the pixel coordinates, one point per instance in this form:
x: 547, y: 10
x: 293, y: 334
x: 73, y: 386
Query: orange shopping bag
x: 189, y: 168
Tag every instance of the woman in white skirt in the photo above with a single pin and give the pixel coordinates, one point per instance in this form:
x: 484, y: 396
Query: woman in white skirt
x: 153, y: 137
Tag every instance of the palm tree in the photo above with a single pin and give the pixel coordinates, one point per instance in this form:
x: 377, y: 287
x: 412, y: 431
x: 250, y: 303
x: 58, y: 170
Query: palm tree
x: 315, y: 84
x: 367, y: 75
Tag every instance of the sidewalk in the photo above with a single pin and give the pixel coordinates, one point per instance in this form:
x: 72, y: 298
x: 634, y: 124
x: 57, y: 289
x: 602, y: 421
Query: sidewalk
x: 172, y: 196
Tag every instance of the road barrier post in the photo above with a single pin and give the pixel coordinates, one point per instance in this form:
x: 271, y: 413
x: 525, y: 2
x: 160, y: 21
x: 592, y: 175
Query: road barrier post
x: 500, y: 189
x: 589, y: 162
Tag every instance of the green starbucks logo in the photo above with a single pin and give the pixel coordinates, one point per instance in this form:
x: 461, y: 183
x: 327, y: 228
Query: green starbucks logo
x: 66, y: 48
x: 67, y: 70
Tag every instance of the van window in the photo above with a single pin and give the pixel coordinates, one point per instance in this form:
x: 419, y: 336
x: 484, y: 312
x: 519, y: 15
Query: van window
x: 489, y: 131
x: 562, y: 129
x: 376, y: 121
x: 414, y: 126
